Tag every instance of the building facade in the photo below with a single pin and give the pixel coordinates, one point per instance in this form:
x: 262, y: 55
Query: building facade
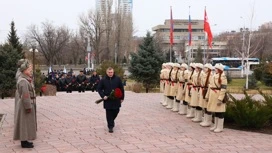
x: 183, y: 52
x: 123, y: 5
x: 126, y: 6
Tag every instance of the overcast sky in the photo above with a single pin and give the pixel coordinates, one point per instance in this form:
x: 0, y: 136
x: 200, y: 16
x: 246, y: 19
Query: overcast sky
x: 226, y: 14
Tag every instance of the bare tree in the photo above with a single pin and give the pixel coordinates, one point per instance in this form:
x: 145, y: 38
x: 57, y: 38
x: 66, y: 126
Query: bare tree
x: 91, y: 25
x: 51, y: 40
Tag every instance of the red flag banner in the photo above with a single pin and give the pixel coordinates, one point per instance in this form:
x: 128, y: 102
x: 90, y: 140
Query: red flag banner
x: 171, y: 28
x: 190, y: 31
x: 207, y: 29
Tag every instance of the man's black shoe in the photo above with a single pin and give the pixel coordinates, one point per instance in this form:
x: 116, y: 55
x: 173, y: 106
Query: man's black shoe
x: 26, y: 144
x: 110, y: 130
x: 29, y: 142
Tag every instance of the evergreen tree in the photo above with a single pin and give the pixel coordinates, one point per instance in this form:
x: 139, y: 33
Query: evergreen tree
x: 252, y: 82
x: 8, y: 68
x: 145, y: 65
x: 14, y: 41
x: 199, y: 56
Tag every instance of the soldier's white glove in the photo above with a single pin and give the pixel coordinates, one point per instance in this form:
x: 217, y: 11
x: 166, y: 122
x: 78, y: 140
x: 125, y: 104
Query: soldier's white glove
x: 219, y: 102
x: 105, y: 98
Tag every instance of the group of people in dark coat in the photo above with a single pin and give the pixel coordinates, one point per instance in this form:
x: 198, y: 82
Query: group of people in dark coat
x: 69, y: 82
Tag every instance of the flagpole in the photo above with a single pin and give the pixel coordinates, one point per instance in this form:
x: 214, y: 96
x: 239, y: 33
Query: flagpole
x: 171, y: 33
x: 204, y: 47
x: 190, y: 46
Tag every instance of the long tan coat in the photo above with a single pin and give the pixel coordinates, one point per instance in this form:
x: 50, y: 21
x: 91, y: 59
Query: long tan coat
x: 174, y: 82
x: 202, y: 102
x: 196, y: 79
x: 162, y: 80
x: 215, y: 94
x: 25, y: 123
x: 167, y: 82
x: 188, y: 86
x: 181, y: 85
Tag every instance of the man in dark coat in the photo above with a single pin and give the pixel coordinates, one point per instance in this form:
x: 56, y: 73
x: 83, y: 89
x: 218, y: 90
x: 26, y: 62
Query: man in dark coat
x: 80, y: 79
x: 94, y: 80
x: 69, y: 83
x: 106, y: 85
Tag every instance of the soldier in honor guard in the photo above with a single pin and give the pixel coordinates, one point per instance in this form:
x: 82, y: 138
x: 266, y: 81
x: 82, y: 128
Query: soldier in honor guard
x: 25, y: 110
x: 181, y: 89
x: 195, y: 93
x: 94, y: 80
x: 216, y: 94
x: 80, y: 80
x: 167, y: 73
x: 174, y: 87
x: 205, y: 81
x: 62, y: 82
x: 162, y: 83
x: 188, y: 87
x: 69, y: 83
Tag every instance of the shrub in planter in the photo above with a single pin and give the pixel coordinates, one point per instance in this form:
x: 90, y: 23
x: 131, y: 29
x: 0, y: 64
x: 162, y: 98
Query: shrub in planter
x: 137, y: 87
x: 268, y: 101
x: 248, y: 112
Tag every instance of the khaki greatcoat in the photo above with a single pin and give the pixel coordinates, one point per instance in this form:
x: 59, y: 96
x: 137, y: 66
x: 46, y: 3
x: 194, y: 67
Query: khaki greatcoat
x: 181, y: 84
x: 25, y: 123
x: 217, y: 92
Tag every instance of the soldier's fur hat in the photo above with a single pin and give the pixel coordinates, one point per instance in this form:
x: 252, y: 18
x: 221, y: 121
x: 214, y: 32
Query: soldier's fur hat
x: 208, y: 65
x: 184, y: 65
x: 24, y: 64
x: 219, y: 66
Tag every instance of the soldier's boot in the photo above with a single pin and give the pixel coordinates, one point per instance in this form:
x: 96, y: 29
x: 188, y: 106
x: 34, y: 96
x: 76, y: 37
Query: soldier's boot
x: 182, y: 109
x: 208, y: 121
x: 191, y: 113
x: 164, y: 100
x: 169, y: 103
x: 186, y: 108
x: 204, y: 120
x: 220, y: 125
x: 198, y: 116
x: 175, y: 106
x: 215, y: 124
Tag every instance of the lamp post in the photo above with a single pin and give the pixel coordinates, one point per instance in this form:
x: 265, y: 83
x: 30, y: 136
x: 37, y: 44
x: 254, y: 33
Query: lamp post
x: 115, y: 54
x: 33, y: 50
x: 89, y: 49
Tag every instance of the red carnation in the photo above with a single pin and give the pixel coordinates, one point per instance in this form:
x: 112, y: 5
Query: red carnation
x: 43, y: 88
x: 118, y: 93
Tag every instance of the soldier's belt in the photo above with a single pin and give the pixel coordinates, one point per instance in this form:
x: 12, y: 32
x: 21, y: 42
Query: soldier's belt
x: 216, y: 88
x: 181, y: 82
x: 32, y: 97
x: 189, y: 84
x: 196, y: 86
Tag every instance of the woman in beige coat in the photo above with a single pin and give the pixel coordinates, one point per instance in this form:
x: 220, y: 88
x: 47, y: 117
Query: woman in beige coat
x: 216, y: 94
x: 181, y: 88
x: 167, y: 85
x: 162, y: 84
x: 196, y: 81
x: 188, y: 88
x: 174, y: 86
x: 25, y: 122
x: 205, y: 81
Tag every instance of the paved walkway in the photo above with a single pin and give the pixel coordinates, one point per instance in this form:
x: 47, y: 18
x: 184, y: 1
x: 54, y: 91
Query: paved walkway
x: 73, y: 123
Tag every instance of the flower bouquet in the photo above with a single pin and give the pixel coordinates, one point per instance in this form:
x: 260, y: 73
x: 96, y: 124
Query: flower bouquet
x: 115, y: 94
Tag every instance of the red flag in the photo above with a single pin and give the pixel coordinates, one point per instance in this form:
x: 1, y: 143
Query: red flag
x: 171, y: 28
x: 190, y: 31
x: 207, y: 29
